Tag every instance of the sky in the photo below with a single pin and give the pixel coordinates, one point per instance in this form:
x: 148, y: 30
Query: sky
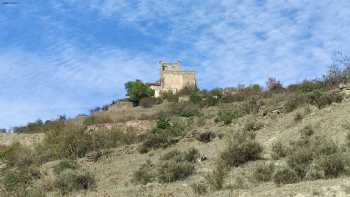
x: 68, y: 56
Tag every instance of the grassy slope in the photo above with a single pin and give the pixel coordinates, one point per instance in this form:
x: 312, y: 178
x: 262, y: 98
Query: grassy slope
x: 114, y: 173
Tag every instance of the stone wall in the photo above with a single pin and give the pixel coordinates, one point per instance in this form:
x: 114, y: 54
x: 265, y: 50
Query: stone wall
x: 177, y: 80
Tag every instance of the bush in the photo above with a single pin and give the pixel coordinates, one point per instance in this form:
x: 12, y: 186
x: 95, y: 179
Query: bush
x: 263, y: 172
x: 284, y: 175
x: 252, y: 126
x: 41, y: 127
x: 205, y: 136
x: 14, y: 179
x: 295, y: 101
x: 163, y: 135
x: 70, y: 180
x: 216, y: 178
x: 278, y: 150
x: 113, y: 138
x: 17, y: 155
x: 251, y: 106
x: 170, y: 171
x: 199, y: 188
x: 274, y: 86
x: 64, y: 165
x: 310, y: 152
x: 94, y: 119
x: 149, y: 102
x: 242, y: 147
x: 72, y: 142
x: 321, y: 99
x: 184, y: 109
x: 306, y: 132
x: 145, y: 174
x: 332, y: 165
x: 298, y: 117
x: 176, y: 165
x: 227, y: 116
x: 191, y: 155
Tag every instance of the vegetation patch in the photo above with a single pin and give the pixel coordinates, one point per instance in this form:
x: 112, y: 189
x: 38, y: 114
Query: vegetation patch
x: 242, y: 147
x: 163, y: 135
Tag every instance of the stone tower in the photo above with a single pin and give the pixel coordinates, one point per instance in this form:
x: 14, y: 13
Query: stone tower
x: 173, y: 79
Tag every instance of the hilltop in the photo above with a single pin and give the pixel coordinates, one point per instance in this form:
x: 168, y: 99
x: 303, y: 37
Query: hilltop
x: 246, y: 141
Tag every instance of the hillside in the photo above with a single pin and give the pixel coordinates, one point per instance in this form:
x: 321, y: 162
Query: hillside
x: 227, y: 136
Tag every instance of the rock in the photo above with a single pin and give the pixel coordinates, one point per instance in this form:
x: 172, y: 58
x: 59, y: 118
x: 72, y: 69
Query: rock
x: 205, y: 136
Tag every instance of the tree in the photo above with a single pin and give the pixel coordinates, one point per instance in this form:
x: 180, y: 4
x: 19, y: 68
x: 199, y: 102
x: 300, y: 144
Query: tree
x: 136, y: 90
x: 273, y: 85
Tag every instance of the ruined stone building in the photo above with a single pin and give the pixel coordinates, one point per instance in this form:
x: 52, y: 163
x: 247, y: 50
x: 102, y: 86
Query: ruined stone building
x: 173, y: 79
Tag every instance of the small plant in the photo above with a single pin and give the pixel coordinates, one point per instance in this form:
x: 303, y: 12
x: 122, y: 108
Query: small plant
x: 149, y: 102
x: 227, y: 116
x: 306, y: 132
x: 199, y: 188
x: 278, y: 150
x: 70, y: 180
x: 298, y: 117
x: 284, y: 175
x: 252, y: 126
x: 216, y: 178
x: 145, y: 174
x: 64, y: 165
x: 263, y: 172
x: 176, y: 165
x: 241, y: 148
x: 15, y: 179
x: 163, y: 135
x: 170, y: 171
x: 97, y: 119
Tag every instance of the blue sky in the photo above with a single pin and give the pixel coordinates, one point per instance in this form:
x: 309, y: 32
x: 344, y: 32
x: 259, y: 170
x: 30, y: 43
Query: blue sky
x: 68, y: 56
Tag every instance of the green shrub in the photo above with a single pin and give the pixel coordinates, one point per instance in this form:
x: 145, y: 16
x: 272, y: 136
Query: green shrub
x: 41, y: 127
x: 295, y: 101
x: 285, y: 175
x: 332, y: 165
x: 170, y: 171
x: 191, y: 155
x: 14, y: 179
x: 64, y: 165
x: 314, y: 172
x: 185, y: 109
x: 72, y: 142
x: 263, y: 172
x: 216, y: 178
x: 17, y: 155
x: 195, y: 97
x: 241, y: 148
x: 306, y: 132
x: 251, y: 105
x: 307, y: 86
x: 323, y: 99
x: 199, y: 188
x: 113, y: 138
x: 70, y: 180
x: 278, y: 150
x: 145, y: 174
x: 94, y: 119
x: 310, y: 151
x: 163, y: 135
x: 252, y: 126
x: 298, y: 117
x: 227, y: 116
x: 149, y: 102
